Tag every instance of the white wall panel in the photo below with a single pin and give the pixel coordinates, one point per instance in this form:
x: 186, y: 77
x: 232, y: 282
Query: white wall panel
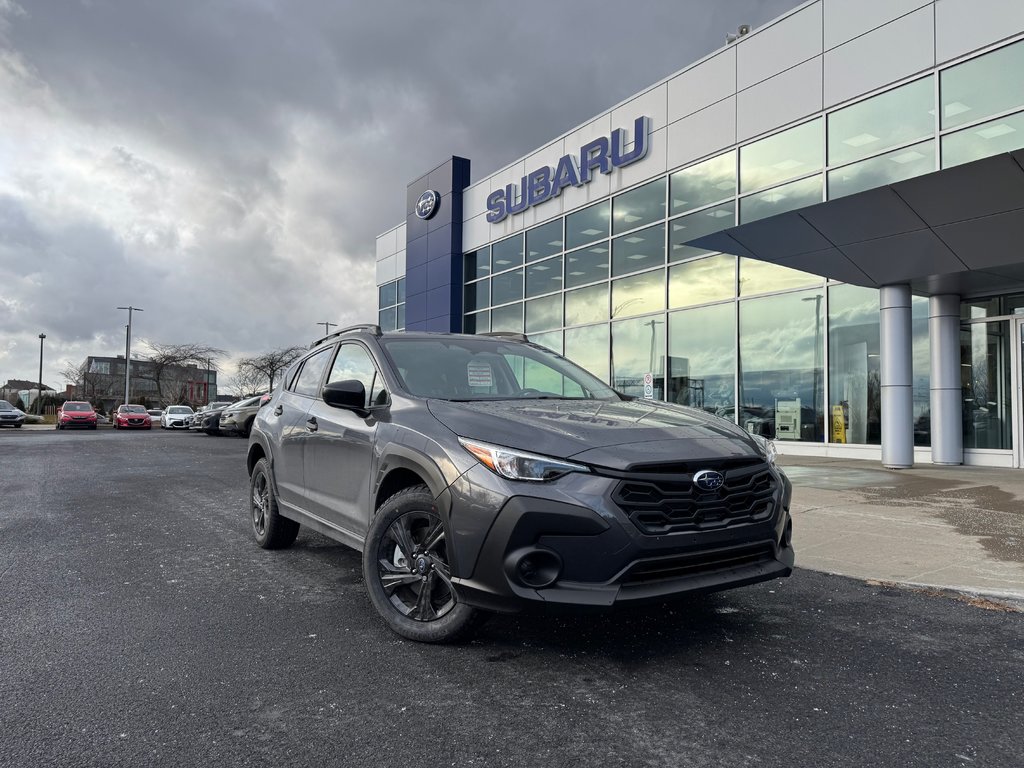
x: 653, y: 165
x: 962, y: 26
x: 703, y: 85
x: 774, y: 49
x: 599, y: 186
x: 400, y: 236
x: 653, y: 103
x: 780, y: 100
x: 387, y: 270
x: 845, y: 20
x: 474, y: 199
x: 880, y: 57
x: 475, y: 232
x: 400, y: 263
x: 706, y: 132
x: 387, y: 244
x: 549, y: 156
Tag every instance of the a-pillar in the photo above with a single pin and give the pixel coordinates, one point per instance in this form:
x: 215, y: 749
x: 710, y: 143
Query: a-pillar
x: 946, y: 397
x: 897, y: 377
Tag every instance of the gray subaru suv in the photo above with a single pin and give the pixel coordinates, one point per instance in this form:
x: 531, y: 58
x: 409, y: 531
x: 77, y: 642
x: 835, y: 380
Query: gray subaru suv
x: 485, y: 473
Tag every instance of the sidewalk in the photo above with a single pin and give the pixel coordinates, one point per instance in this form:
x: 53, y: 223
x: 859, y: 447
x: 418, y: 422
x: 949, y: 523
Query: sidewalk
x: 958, y: 528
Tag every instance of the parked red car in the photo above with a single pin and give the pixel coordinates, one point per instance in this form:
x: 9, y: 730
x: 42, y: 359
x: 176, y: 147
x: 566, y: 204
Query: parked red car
x: 75, y: 413
x: 132, y: 417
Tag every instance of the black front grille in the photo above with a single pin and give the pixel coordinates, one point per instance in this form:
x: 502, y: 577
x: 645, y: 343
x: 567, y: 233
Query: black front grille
x: 682, y: 566
x: 659, y: 504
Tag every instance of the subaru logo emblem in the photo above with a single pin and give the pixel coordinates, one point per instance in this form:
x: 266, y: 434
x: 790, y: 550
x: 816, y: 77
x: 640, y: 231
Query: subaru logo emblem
x: 426, y: 206
x: 708, y: 480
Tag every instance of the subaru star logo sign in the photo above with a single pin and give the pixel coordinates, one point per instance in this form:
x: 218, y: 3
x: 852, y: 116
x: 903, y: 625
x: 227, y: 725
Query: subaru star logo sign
x: 708, y: 480
x: 427, y: 205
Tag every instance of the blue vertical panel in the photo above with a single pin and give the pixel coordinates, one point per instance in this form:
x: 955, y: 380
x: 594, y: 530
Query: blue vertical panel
x: 434, y: 249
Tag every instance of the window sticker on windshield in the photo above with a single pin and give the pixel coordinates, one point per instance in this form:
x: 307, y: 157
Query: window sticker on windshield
x: 480, y: 374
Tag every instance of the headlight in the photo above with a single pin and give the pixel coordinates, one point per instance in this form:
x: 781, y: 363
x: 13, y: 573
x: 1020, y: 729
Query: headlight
x: 517, y: 465
x: 767, y: 448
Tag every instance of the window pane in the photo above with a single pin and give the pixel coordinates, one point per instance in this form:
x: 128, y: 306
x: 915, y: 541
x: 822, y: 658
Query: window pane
x: 702, y: 359
x: 639, y: 250
x: 400, y: 320
x: 985, y: 140
x: 702, y: 281
x: 983, y: 86
x: 887, y: 120
x: 544, y: 314
x: 507, y: 253
x: 762, y: 277
x: 641, y: 206
x: 587, y: 225
x: 853, y: 366
x: 507, y: 287
x: 638, y: 347
x: 551, y: 340
x: 508, y: 318
x: 387, y: 295
x: 477, y: 264
x: 545, y: 240
x: 544, y: 277
x: 353, y: 363
x: 922, y: 370
x: 781, y: 366
x: 696, y: 225
x: 785, y: 155
x: 401, y: 290
x: 638, y: 295
x: 586, y: 305
x: 985, y: 384
x: 884, y: 169
x: 308, y: 381
x: 588, y: 348
x: 587, y: 265
x: 387, y: 319
x: 788, y: 197
x: 477, y: 295
x: 478, y: 323
x: 704, y: 183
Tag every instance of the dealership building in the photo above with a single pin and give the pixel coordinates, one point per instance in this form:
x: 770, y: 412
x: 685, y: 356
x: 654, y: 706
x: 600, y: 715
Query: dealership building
x: 816, y: 231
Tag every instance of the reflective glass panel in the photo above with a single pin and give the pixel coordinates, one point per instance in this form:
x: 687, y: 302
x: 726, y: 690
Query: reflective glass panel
x: 477, y: 264
x: 985, y: 383
x: 400, y: 321
x: 639, y: 294
x: 703, y: 183
x: 922, y: 371
x: 638, y: 347
x: 763, y: 277
x: 508, y: 318
x: 885, y: 169
x: 507, y: 253
x: 785, y: 155
x: 702, y: 359
x: 788, y: 197
x: 702, y: 281
x: 477, y: 295
x: 855, y: 400
x: 1000, y: 135
x: 638, y: 250
x: 387, y: 295
x: 545, y: 240
x: 587, y: 265
x: 586, y: 226
x: 477, y: 323
x: 695, y: 225
x: 984, y: 86
x: 507, y: 286
x: 781, y: 353
x: 588, y: 348
x: 401, y: 289
x: 586, y: 305
x: 544, y: 314
x: 643, y: 205
x: 975, y: 309
x: 886, y: 120
x: 551, y: 340
x: 387, y: 319
x: 544, y: 277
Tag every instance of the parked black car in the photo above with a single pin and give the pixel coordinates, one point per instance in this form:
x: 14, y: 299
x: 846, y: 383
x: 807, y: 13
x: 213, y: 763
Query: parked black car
x: 487, y: 473
x: 207, y: 418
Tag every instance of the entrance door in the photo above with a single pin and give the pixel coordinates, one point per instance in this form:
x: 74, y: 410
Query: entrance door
x: 1018, y: 391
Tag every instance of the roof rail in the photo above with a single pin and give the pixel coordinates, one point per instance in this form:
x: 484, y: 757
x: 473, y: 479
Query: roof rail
x: 506, y: 335
x: 374, y: 329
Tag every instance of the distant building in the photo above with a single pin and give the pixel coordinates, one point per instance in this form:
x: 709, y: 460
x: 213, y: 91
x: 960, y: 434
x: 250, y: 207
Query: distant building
x: 26, y: 391
x: 151, y: 384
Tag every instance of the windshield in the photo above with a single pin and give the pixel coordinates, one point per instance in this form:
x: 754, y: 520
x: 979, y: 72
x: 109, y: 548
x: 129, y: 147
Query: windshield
x: 489, y: 369
x: 179, y: 409
x: 132, y: 409
x: 77, y: 407
x: 5, y: 406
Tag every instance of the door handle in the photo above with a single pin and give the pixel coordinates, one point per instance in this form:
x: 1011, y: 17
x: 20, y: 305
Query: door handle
x: 279, y: 410
x: 311, y: 424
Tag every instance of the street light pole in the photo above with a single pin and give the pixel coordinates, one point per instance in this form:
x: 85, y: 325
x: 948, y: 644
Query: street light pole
x: 39, y: 396
x: 327, y: 327
x: 128, y: 350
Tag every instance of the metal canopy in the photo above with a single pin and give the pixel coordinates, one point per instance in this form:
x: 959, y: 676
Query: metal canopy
x: 959, y: 230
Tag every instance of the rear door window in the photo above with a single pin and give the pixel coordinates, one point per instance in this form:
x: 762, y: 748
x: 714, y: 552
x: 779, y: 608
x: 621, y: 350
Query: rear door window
x: 312, y: 372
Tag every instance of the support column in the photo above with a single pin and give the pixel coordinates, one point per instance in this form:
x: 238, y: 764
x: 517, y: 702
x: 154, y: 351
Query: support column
x: 897, y: 379
x: 946, y: 397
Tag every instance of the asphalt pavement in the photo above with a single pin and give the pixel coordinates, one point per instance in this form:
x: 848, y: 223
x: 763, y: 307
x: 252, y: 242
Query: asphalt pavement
x: 140, y: 625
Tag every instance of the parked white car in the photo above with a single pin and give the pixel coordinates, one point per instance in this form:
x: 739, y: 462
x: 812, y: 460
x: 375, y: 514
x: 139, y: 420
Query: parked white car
x: 176, y: 417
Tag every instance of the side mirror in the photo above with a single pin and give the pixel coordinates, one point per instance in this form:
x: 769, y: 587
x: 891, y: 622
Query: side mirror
x: 349, y: 394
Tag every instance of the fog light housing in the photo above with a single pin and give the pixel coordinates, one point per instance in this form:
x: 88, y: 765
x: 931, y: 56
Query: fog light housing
x: 534, y: 567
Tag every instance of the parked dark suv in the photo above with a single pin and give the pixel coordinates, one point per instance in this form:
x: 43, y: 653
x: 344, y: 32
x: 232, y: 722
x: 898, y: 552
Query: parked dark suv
x: 485, y: 473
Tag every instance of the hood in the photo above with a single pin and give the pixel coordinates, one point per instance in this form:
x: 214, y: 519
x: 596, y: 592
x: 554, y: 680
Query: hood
x: 614, y: 434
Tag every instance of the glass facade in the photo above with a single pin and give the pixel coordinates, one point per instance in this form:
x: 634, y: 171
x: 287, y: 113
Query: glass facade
x: 391, y: 301
x: 985, y: 381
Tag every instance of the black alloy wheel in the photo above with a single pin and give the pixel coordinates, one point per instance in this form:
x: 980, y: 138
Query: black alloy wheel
x: 272, y: 531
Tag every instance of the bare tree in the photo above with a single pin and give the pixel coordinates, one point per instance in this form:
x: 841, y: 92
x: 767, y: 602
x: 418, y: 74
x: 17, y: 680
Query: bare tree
x: 169, y: 367
x: 270, y: 364
x: 246, y: 381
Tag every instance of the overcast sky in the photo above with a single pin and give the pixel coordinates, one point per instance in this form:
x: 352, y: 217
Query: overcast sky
x: 226, y: 165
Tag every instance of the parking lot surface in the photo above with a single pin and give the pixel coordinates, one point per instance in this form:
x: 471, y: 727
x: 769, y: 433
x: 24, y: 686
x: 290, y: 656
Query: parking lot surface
x: 140, y: 625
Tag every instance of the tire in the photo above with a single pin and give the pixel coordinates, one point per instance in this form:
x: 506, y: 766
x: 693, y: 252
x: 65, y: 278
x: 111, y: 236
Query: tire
x: 247, y: 427
x: 92, y: 426
x: 17, y: 426
x: 272, y: 531
x: 396, y: 578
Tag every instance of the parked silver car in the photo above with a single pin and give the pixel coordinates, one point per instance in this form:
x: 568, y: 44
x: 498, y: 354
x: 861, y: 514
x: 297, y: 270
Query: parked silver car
x: 10, y: 416
x: 176, y: 417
